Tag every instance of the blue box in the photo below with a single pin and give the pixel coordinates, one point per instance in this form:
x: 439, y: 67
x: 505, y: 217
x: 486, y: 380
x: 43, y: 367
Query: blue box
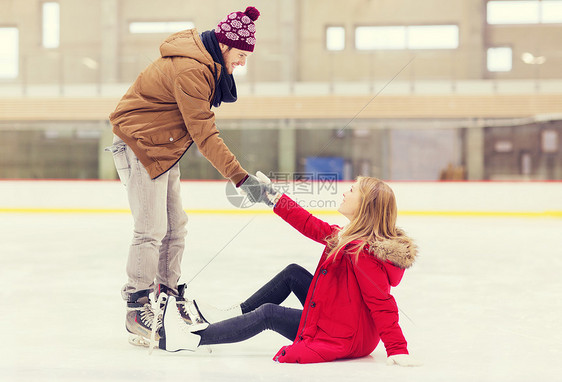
x: 325, y: 166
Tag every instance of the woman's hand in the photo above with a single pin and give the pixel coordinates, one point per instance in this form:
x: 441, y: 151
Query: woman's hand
x: 404, y: 360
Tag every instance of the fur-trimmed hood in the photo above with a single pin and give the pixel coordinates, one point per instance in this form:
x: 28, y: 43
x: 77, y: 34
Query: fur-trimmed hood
x: 400, y: 251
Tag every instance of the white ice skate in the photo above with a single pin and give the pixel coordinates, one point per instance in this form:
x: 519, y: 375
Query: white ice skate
x: 190, y: 314
x: 212, y: 314
x: 176, y: 334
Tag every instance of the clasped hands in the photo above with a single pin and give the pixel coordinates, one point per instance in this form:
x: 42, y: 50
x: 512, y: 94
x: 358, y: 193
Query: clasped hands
x: 259, y: 189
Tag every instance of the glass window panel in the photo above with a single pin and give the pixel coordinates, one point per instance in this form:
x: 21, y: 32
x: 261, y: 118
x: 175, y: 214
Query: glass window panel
x: 499, y: 59
x: 159, y: 26
x: 335, y: 38
x: 51, y: 25
x: 551, y: 11
x: 368, y: 38
x: 433, y: 37
x: 9, y: 52
x: 513, y: 12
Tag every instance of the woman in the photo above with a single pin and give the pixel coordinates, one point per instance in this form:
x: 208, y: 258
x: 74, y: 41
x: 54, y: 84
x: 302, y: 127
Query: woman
x: 347, y: 306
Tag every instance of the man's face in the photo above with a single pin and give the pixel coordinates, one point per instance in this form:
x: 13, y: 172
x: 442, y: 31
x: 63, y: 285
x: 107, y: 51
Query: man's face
x: 233, y: 57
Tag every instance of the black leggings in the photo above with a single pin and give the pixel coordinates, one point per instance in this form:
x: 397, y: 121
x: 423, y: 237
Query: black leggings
x: 262, y: 310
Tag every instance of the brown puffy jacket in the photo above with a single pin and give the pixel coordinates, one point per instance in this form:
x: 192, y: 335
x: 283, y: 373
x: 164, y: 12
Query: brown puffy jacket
x: 168, y: 107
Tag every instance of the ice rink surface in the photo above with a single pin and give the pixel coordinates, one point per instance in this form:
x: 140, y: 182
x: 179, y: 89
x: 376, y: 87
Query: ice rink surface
x: 482, y: 303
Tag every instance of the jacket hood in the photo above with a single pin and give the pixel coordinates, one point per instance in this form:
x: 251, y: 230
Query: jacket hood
x: 397, y: 254
x: 188, y: 44
x: 400, y: 251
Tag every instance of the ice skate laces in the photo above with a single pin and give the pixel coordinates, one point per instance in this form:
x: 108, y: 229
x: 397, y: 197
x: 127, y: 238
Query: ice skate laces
x: 156, y: 321
x: 147, y: 315
x: 190, y: 310
x: 184, y: 327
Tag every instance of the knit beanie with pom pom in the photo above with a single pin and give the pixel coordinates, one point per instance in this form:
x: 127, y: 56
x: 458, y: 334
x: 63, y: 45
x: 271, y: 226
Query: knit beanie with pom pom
x: 237, y: 30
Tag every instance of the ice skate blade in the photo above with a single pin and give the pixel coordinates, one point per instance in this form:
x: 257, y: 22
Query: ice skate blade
x: 137, y: 340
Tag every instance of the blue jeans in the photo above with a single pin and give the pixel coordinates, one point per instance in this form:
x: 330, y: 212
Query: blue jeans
x: 160, y: 222
x: 262, y: 310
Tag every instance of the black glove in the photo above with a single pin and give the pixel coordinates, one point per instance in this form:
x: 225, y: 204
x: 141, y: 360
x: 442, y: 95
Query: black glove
x: 256, y: 190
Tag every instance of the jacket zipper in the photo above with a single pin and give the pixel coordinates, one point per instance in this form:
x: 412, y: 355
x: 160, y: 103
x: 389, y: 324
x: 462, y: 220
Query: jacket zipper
x: 175, y: 161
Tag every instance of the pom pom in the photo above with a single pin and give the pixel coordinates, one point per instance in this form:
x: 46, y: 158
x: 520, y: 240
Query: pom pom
x: 252, y: 13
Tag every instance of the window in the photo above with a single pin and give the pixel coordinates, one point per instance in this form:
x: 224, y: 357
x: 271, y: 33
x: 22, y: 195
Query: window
x: 551, y: 11
x: 335, y: 38
x: 51, y: 25
x: 524, y: 12
x: 433, y: 37
x: 407, y: 37
x: 512, y: 12
x: 9, y: 52
x: 371, y: 38
x: 159, y: 26
x: 499, y: 59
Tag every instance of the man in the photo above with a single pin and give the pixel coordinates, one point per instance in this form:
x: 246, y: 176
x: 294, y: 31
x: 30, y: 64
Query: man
x: 165, y: 111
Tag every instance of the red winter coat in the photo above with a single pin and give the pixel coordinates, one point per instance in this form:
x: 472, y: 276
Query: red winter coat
x: 348, y: 308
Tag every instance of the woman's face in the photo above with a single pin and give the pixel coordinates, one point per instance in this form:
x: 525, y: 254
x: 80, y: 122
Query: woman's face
x: 351, y: 202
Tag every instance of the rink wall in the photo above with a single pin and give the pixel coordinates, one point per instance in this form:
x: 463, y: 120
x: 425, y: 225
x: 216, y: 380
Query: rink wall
x: 519, y: 199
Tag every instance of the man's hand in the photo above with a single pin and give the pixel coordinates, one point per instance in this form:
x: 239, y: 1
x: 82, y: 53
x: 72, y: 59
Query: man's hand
x: 256, y: 190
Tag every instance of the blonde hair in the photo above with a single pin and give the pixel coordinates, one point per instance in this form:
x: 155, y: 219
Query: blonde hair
x: 374, y: 220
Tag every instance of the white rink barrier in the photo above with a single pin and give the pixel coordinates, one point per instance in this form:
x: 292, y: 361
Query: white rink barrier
x: 526, y: 199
